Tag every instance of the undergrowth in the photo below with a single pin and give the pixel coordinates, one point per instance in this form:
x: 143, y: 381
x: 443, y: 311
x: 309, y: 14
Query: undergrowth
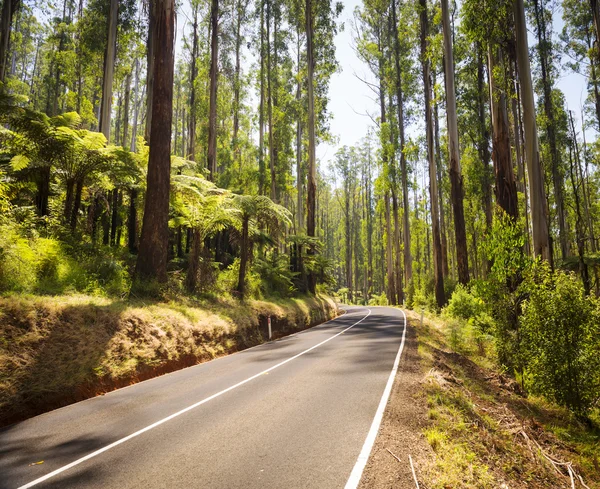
x: 484, y: 431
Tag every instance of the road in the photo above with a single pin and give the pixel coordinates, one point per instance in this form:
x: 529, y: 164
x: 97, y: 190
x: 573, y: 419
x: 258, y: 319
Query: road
x: 292, y: 413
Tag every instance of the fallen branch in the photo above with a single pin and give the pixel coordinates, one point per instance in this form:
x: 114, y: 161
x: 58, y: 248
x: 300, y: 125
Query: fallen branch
x: 413, y: 471
x: 412, y: 467
x: 394, y: 455
x: 556, y: 464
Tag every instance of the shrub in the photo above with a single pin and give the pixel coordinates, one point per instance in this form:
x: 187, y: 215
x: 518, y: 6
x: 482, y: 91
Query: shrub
x: 561, y: 327
x: 17, y: 261
x: 463, y: 304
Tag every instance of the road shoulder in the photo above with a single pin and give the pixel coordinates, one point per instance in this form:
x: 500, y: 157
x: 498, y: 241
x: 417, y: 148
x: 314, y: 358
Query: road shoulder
x: 400, y: 433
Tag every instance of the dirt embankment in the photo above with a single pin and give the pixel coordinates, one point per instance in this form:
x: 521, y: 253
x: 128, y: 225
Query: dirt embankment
x: 59, y: 350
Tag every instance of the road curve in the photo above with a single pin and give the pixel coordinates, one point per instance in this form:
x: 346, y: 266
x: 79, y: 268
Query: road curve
x: 292, y: 413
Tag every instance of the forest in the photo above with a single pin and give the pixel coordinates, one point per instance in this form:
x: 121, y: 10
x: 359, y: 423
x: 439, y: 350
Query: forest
x: 138, y: 163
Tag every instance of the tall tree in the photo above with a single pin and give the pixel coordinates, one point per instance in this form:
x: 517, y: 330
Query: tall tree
x: 545, y: 55
x: 213, y: 84
x: 401, y: 140
x: 456, y: 179
x: 537, y: 196
x: 153, y: 251
x: 433, y: 193
x: 311, y: 198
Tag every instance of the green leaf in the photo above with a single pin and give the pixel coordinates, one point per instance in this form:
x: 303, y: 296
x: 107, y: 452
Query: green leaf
x: 19, y: 162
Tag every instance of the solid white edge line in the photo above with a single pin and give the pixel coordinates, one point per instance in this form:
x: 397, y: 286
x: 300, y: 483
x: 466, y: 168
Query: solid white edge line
x: 183, y: 411
x: 363, y: 457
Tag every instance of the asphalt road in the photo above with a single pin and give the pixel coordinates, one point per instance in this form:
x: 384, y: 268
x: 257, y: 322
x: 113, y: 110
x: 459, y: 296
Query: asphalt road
x: 293, y: 413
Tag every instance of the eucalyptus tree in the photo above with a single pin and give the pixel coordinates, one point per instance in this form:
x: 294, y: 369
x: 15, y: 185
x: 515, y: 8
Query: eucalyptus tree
x: 435, y: 222
x: 548, y: 62
x: 539, y: 219
x: 456, y: 179
x: 152, y: 258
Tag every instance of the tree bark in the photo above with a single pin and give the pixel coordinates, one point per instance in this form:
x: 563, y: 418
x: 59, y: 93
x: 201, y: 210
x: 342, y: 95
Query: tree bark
x: 191, y: 150
x: 401, y: 140
x: 125, y: 139
x: 109, y: 69
x: 456, y: 179
x: 544, y: 51
x: 152, y: 257
x: 541, y: 245
x: 132, y: 225
x: 214, y: 77
x: 237, y: 83
x: 483, y: 145
x: 261, y: 110
x: 244, y: 252
x: 299, y: 170
x: 438, y: 165
x: 9, y: 7
x: 435, y: 223
x: 506, y: 188
x: 312, y: 164
x: 191, y: 277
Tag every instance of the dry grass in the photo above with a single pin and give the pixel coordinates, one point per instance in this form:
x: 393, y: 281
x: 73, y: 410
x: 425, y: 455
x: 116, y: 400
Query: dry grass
x: 485, y: 433
x: 57, y: 350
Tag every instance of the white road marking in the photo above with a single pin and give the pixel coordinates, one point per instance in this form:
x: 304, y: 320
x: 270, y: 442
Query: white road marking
x: 363, y: 457
x: 183, y: 411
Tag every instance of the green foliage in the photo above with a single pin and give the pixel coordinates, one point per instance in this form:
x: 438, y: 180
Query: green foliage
x: 561, y: 327
x: 276, y: 277
x: 463, y: 304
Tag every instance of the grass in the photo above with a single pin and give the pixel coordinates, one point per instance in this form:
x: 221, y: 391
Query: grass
x: 60, y: 349
x: 483, y: 431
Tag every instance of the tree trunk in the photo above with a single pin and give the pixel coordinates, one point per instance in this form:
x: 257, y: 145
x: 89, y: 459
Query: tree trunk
x: 152, y: 257
x: 70, y: 186
x: 456, y: 179
x: 299, y: 172
x: 136, y: 102
x: 401, y: 140
x: 541, y: 245
x: 389, y: 253
x: 76, y: 204
x: 545, y: 53
x: 348, y: 236
x: 438, y: 165
x: 191, y: 277
x: 114, y: 216
x: 191, y: 151
x: 43, y: 191
x: 483, y: 143
x: 125, y: 139
x: 435, y: 223
x: 109, y: 69
x: 579, y: 225
x: 9, y: 7
x: 132, y: 225
x: 245, y: 248
x: 261, y: 110
x: 214, y: 76
x: 237, y: 83
x: 506, y: 188
x: 312, y: 164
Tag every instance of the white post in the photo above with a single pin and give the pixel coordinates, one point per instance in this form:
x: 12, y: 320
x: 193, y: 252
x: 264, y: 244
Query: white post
x: 269, y: 324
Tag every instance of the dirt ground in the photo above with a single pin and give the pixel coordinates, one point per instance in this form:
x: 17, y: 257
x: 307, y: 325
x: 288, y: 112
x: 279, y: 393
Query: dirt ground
x: 401, y: 428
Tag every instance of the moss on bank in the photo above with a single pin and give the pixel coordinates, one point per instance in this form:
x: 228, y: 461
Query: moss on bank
x: 59, y: 350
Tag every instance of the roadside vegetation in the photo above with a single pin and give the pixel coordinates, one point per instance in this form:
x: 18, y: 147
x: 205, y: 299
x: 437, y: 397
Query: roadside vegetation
x: 55, y: 350
x: 513, y: 385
